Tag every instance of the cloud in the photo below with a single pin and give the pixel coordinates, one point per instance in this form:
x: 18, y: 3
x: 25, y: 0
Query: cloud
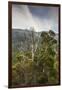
x: 24, y: 16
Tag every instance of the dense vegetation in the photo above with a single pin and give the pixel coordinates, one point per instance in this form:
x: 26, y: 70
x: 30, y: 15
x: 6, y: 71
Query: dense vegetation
x: 38, y: 63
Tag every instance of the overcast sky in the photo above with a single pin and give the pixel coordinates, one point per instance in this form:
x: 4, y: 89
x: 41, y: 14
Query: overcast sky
x: 42, y: 18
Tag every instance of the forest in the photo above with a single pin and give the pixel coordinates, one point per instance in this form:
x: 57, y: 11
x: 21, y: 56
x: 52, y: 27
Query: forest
x: 35, y: 57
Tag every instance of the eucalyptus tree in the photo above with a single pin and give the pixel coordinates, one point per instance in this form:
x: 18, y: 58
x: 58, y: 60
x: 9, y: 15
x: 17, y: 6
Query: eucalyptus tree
x: 45, y: 56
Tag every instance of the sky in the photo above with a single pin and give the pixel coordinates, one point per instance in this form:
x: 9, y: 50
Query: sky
x: 41, y: 18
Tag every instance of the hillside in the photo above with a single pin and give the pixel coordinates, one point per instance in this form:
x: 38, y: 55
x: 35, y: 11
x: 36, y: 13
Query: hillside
x: 22, y: 39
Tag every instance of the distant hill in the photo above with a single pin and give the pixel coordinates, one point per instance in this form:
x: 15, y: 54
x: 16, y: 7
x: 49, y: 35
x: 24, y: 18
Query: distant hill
x: 22, y: 38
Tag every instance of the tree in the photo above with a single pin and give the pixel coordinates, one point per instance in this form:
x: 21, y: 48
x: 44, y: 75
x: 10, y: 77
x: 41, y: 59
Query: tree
x: 45, y: 56
x: 33, y: 43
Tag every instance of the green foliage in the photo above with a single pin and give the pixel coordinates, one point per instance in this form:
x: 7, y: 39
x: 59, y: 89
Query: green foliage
x: 43, y: 69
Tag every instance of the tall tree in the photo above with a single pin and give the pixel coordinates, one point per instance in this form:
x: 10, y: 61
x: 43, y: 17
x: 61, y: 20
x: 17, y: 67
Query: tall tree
x: 45, y: 55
